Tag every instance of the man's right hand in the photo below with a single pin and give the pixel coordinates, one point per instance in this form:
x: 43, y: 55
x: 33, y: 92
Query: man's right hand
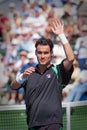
x: 27, y: 72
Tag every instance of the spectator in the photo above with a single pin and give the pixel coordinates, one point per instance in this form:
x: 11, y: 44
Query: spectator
x: 13, y: 52
x: 80, y: 88
x: 58, y: 50
x: 82, y: 13
x: 24, y: 9
x: 81, y: 47
x: 30, y: 63
x: 48, y: 31
x: 25, y: 42
x: 4, y: 27
x: 10, y: 94
x: 45, y: 9
x: 73, y: 81
x: 39, y: 21
x: 81, y: 91
x: 12, y: 10
x: 55, y: 3
x: 3, y: 76
x: 21, y: 60
x: 16, y: 25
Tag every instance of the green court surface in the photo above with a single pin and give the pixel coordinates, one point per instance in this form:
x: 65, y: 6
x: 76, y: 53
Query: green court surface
x: 16, y: 119
x: 13, y: 120
x: 78, y: 118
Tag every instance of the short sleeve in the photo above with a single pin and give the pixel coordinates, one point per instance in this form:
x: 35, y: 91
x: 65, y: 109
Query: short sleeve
x: 64, y: 75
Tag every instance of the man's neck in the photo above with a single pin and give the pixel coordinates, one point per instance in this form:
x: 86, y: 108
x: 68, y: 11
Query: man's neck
x: 42, y: 68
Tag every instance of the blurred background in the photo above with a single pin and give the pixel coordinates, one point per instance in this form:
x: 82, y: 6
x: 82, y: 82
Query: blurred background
x: 22, y: 23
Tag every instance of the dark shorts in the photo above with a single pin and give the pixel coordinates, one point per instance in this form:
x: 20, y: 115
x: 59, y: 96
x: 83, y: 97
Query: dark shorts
x: 49, y: 127
x: 11, y: 90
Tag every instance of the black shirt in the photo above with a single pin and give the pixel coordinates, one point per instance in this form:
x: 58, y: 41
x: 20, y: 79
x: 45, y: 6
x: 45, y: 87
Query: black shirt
x: 43, y: 96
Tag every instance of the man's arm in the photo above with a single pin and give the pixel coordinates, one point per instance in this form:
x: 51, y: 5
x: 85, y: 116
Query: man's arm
x: 21, y: 78
x: 58, y: 29
x: 15, y: 84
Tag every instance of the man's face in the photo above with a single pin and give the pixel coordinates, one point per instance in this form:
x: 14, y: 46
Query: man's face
x: 43, y: 54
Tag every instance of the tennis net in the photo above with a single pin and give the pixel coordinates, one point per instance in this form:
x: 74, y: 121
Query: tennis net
x: 74, y: 116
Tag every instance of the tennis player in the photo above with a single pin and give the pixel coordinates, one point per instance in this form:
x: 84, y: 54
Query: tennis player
x: 43, y: 85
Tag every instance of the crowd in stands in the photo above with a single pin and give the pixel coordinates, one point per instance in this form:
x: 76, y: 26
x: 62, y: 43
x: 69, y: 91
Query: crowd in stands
x: 19, y: 30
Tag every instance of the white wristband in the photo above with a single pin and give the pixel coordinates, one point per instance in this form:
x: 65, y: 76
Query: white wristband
x: 63, y: 38
x: 19, y: 79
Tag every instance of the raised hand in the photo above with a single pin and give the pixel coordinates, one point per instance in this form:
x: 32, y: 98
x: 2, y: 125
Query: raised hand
x: 57, y: 27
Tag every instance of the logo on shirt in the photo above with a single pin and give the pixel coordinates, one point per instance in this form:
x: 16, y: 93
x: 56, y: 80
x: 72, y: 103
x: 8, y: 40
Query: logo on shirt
x: 48, y: 76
